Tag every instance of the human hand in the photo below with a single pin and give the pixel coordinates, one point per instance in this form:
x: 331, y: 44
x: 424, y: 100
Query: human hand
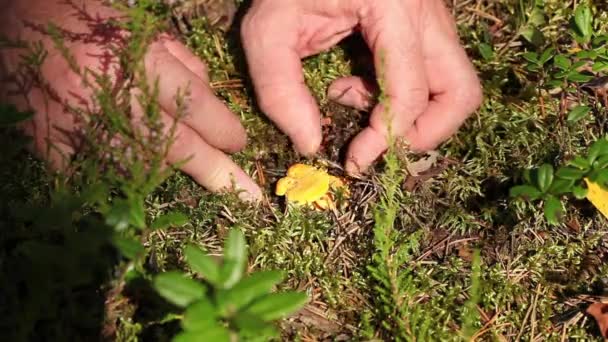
x: 430, y: 84
x: 206, y: 131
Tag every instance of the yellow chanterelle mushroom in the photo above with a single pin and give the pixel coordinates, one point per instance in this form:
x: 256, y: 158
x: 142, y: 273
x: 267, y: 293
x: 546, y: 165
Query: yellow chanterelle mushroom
x: 597, y: 196
x: 307, y: 185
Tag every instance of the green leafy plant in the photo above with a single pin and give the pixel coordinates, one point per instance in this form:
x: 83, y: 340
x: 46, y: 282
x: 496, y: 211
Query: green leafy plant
x: 531, y: 18
x: 582, y: 23
x: 549, y: 185
x: 228, y: 305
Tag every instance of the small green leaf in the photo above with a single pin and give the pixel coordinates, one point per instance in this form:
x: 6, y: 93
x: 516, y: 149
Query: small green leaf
x: 561, y: 186
x: 128, y: 247
x: 537, y: 17
x: 171, y: 219
x: 486, y: 51
x: 562, y: 62
x: 531, y: 57
x: 178, y: 289
x: 584, y: 20
x: 201, y: 315
x: 546, y: 55
x: 580, y: 162
x: 599, y: 66
x: 527, y: 175
x: 597, y: 149
x: 568, y: 172
x: 137, y: 212
x: 215, y: 334
x: 578, y: 64
x: 96, y: 193
x: 533, y: 35
x: 11, y: 116
x: 553, y: 210
x: 527, y: 191
x: 545, y: 177
x: 202, y: 264
x: 600, y: 177
x: 576, y: 76
x: 235, y: 258
x: 578, y: 113
x: 277, y: 305
x: 579, y: 192
x: 601, y: 162
x: 125, y: 213
x: 251, y: 326
x: 248, y: 289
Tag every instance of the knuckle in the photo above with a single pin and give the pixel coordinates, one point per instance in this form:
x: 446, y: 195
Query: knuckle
x: 470, y: 97
x: 414, y: 101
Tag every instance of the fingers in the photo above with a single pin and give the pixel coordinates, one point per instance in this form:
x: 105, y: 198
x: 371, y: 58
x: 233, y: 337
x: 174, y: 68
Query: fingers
x: 276, y: 72
x: 429, y: 83
x: 352, y: 91
x: 395, y: 41
x: 208, y: 166
x: 205, y: 113
x: 184, y: 55
x: 453, y: 83
x: 394, y: 38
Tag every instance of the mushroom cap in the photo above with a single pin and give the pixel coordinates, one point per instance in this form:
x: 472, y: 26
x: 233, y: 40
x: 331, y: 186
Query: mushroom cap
x: 304, y: 184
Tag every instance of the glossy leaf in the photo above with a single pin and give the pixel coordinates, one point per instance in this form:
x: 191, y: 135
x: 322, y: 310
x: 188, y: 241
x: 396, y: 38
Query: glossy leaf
x: 580, y: 163
x: 601, y: 162
x: 562, y: 62
x: 248, y: 289
x: 601, y: 177
x: 235, y: 258
x: 526, y: 191
x: 128, y: 246
x: 579, y: 192
x: 178, y: 289
x: 533, y: 35
x: 118, y: 216
x: 486, y: 51
x: 277, y: 305
x: 251, y: 326
x: 215, y: 334
x: 531, y: 57
x: 545, y: 177
x: 568, y: 172
x: 171, y: 219
x: 561, y: 186
x: 547, y: 55
x: 202, y: 264
x: 200, y: 315
x: 576, y: 76
x: 597, y: 149
x: 553, y: 210
x: 125, y: 213
x: 537, y: 17
x: 578, y: 113
x: 599, y: 66
x: 584, y: 20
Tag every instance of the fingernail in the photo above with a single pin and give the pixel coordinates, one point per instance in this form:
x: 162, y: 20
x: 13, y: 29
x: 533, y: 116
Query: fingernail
x: 248, y: 191
x: 309, y: 146
x: 354, y: 169
x: 334, y: 93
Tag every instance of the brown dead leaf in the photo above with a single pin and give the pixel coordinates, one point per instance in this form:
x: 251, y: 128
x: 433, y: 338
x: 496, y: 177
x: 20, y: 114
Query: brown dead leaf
x: 599, y: 311
x: 465, y: 252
